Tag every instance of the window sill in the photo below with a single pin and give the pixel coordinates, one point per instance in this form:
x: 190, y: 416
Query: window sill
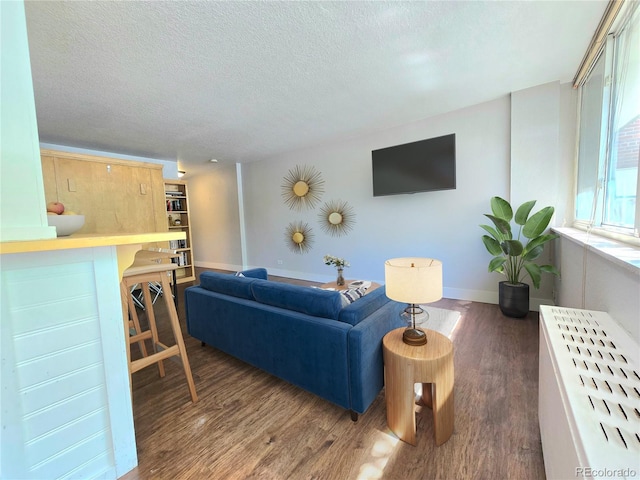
x: 622, y: 254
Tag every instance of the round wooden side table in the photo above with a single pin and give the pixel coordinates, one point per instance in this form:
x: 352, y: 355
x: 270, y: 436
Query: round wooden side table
x: 431, y: 365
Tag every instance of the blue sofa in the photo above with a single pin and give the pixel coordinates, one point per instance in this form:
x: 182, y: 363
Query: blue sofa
x: 300, y: 334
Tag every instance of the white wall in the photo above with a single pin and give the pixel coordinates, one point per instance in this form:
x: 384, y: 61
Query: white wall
x: 542, y: 152
x: 23, y: 213
x: 215, y: 218
x: 535, y: 145
x: 543, y: 142
x: 444, y: 224
x: 593, y: 282
x: 441, y: 224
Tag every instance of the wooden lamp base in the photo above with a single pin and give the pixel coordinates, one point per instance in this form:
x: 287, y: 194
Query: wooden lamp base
x: 414, y: 337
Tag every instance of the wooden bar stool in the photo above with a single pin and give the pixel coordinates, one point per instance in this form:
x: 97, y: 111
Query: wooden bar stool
x: 158, y: 255
x: 144, y: 272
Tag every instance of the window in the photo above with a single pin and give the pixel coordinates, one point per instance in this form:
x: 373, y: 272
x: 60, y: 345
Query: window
x: 609, y: 132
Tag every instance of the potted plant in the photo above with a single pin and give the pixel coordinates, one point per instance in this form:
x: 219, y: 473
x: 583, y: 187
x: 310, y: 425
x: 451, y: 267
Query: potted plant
x: 514, y: 257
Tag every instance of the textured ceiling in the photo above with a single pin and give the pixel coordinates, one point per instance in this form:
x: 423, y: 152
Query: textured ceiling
x: 244, y: 81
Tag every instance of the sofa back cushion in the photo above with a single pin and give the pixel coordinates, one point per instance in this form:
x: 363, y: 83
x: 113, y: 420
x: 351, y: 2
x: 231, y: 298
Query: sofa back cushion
x: 310, y: 301
x: 227, y: 284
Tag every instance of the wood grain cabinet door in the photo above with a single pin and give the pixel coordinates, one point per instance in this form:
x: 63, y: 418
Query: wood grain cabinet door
x: 114, y: 196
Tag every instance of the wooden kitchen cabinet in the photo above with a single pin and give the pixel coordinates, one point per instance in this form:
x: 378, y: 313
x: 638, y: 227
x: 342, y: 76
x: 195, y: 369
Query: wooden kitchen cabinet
x: 115, y: 196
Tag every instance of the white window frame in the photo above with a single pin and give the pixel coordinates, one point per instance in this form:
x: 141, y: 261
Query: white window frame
x: 596, y: 224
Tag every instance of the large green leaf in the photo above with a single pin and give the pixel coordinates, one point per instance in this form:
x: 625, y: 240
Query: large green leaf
x: 538, y: 223
x: 523, y: 212
x: 502, y: 225
x: 512, y: 248
x: 501, y: 208
x: 493, y: 232
x: 550, y: 269
x: 497, y: 264
x: 532, y: 253
x: 492, y: 245
x: 542, y: 239
x: 534, y: 272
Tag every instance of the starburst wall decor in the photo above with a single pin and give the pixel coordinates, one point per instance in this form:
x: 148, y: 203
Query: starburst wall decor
x: 336, y: 217
x: 299, y: 237
x: 302, y: 187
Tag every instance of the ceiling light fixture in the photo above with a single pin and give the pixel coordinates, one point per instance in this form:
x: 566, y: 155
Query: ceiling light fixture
x: 214, y: 160
x: 181, y: 173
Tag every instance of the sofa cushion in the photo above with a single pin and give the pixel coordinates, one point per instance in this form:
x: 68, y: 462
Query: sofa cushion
x: 227, y: 284
x: 311, y: 301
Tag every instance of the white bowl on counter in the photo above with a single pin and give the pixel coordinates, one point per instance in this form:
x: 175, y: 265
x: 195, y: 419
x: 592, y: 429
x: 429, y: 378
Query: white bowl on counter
x: 66, y: 224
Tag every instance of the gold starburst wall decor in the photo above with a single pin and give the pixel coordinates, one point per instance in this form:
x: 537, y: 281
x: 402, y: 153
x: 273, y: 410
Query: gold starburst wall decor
x: 337, y: 217
x: 299, y: 237
x: 302, y: 187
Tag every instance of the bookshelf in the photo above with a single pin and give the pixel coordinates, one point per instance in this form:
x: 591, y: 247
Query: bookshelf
x: 177, y: 204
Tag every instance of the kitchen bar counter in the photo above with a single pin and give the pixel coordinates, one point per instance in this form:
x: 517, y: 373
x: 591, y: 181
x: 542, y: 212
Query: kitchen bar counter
x: 88, y: 240
x: 64, y: 378
x: 127, y: 244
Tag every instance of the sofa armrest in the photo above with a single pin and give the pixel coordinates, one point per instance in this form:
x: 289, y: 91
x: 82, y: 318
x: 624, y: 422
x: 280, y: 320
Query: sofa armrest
x: 357, y: 311
x: 366, y: 367
x: 308, y: 351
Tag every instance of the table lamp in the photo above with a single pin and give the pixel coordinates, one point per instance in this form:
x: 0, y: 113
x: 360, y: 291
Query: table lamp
x: 413, y: 281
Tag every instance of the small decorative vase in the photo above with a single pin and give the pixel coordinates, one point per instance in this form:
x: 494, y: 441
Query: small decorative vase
x: 340, y: 280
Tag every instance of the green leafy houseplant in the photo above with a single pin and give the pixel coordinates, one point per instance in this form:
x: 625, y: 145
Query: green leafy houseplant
x: 511, y: 256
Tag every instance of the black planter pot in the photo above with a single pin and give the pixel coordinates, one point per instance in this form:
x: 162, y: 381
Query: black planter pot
x: 514, y: 299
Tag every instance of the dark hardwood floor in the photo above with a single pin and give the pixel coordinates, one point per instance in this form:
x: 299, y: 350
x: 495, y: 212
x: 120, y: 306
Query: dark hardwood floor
x: 248, y: 424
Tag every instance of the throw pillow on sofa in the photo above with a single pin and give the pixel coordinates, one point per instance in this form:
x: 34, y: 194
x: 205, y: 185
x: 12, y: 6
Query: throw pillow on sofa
x: 351, y: 295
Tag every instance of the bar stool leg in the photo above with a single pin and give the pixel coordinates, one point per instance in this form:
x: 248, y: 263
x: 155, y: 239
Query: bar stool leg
x: 161, y: 352
x: 134, y: 323
x: 124, y: 295
x: 177, y: 332
x: 151, y: 318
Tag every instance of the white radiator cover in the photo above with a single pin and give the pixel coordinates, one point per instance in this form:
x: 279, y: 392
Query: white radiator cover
x: 589, y: 395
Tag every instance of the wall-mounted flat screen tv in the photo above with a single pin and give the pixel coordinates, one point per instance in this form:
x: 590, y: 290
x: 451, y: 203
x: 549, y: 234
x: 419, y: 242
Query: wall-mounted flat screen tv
x: 421, y: 166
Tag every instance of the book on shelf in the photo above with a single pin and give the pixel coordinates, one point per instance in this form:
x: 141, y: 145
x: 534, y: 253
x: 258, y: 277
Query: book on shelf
x: 174, y: 205
x: 176, y: 244
x: 181, y: 260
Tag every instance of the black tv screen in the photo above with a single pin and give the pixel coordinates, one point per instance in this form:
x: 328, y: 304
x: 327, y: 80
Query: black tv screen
x: 421, y: 166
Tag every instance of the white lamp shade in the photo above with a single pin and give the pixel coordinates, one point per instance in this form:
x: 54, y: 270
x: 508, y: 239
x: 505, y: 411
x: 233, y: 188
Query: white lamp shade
x: 413, y: 280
